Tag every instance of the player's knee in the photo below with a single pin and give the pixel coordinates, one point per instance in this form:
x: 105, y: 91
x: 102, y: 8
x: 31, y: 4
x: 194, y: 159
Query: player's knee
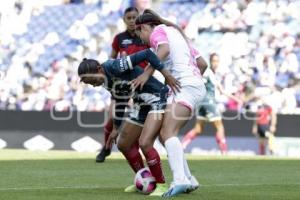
x: 122, y: 146
x: 145, y: 144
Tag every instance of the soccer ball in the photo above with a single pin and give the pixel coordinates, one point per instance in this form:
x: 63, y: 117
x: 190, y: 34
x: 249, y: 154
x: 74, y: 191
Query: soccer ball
x: 144, y: 181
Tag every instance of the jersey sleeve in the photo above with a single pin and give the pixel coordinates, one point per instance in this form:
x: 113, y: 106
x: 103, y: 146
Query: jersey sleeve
x: 195, y: 53
x: 117, y: 66
x: 121, y: 65
x: 145, y: 55
x: 115, y: 44
x: 158, y: 36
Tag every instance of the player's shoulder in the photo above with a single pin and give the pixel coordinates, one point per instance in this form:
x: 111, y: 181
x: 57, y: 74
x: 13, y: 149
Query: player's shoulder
x: 121, y: 34
x: 161, y: 27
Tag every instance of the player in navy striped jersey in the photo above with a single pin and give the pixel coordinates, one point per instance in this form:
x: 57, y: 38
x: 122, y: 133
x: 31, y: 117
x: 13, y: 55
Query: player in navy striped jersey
x: 124, y: 43
x: 150, y: 102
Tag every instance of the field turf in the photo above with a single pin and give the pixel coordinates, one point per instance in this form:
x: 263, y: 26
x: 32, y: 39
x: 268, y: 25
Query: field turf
x: 67, y: 175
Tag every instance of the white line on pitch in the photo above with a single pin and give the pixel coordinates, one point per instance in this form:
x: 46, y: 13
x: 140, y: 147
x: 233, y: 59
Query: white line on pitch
x: 52, y: 188
x: 101, y: 187
x: 248, y: 184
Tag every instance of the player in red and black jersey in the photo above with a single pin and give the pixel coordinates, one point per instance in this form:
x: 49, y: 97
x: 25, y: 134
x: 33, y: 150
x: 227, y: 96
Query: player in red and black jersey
x: 124, y: 43
x: 265, y: 126
x: 127, y: 42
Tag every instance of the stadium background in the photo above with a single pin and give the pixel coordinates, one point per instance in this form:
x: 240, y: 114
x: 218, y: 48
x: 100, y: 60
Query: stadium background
x: 42, y: 43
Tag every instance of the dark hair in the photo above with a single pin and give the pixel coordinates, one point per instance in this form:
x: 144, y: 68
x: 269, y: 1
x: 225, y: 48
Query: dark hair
x: 88, y: 66
x: 152, y: 18
x: 148, y: 18
x: 129, y: 9
x: 212, y: 55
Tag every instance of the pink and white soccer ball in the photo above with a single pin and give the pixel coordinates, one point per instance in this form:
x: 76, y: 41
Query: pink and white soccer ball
x: 144, y: 181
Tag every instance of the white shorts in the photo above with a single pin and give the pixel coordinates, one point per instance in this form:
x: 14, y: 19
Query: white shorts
x: 189, y: 96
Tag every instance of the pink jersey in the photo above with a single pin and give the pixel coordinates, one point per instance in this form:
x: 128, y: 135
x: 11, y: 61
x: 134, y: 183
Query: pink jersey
x: 194, y: 52
x: 180, y: 61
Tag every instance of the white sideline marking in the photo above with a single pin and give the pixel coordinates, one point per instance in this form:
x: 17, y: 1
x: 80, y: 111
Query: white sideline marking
x: 99, y: 187
x: 248, y: 184
x: 52, y: 188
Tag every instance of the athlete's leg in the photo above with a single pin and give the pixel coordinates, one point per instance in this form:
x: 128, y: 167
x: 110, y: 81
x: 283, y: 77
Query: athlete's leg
x: 271, y: 143
x: 192, y: 134
x: 178, y: 112
x: 220, y: 136
x: 109, y: 124
x: 262, y: 139
x: 128, y: 145
x: 176, y: 116
x: 149, y: 133
x: 262, y: 146
x: 187, y: 171
x: 107, y: 130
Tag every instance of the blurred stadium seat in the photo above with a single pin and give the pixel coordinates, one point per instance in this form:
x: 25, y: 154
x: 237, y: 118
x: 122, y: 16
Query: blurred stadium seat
x: 258, y: 42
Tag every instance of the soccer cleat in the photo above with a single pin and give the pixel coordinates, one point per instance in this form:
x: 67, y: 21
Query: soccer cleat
x: 130, y: 189
x: 194, y: 184
x: 176, y: 189
x: 160, y: 189
x: 101, y: 156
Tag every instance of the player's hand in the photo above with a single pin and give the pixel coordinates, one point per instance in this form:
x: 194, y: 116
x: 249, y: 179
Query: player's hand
x: 112, y: 139
x: 140, y: 81
x: 171, y: 81
x: 272, y: 129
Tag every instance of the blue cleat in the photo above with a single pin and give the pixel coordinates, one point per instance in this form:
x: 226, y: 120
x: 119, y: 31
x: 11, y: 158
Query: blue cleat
x: 194, y: 185
x: 177, y: 189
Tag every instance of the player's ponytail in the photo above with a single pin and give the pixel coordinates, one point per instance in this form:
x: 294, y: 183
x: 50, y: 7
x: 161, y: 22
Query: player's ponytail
x: 88, y: 66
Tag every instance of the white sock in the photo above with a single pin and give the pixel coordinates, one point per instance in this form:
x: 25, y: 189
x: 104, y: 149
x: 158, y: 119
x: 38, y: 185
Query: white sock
x: 175, y: 157
x: 187, y: 171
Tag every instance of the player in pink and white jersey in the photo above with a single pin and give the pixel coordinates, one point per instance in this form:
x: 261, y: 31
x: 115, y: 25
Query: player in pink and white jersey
x: 171, y: 45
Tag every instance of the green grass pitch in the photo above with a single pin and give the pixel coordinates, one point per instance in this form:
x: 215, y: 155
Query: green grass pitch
x: 67, y: 175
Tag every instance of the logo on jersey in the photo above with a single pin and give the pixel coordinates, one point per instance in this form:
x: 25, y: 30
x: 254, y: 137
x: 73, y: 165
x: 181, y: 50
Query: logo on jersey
x: 127, y: 42
x: 122, y: 89
x: 123, y: 65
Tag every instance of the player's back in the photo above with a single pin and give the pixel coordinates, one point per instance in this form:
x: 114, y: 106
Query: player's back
x: 152, y: 86
x: 180, y: 61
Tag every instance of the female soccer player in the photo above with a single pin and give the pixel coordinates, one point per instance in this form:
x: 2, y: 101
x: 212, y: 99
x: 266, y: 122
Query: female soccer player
x: 151, y: 101
x: 168, y: 42
x: 264, y: 126
x: 124, y: 43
